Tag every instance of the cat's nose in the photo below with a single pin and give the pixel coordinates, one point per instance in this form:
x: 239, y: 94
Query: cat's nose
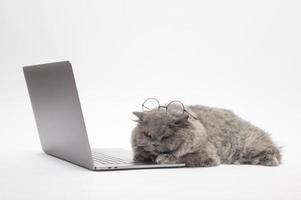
x: 155, y: 144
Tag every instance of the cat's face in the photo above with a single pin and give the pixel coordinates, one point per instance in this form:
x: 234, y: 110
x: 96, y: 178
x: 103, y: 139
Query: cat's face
x: 158, y: 131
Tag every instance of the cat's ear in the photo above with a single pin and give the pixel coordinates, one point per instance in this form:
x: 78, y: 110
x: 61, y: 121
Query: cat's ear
x: 180, y: 121
x: 139, y: 115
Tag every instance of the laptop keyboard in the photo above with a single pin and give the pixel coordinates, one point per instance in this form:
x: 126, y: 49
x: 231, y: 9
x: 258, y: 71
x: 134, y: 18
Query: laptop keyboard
x: 105, y: 159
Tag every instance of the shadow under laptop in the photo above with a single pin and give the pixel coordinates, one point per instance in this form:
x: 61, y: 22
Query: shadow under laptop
x: 54, y: 163
x: 50, y: 162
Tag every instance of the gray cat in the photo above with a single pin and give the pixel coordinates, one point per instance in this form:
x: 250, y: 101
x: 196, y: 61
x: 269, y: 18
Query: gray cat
x: 216, y: 136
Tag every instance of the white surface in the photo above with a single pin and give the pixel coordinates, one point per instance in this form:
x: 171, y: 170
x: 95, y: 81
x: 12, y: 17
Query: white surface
x: 242, y: 55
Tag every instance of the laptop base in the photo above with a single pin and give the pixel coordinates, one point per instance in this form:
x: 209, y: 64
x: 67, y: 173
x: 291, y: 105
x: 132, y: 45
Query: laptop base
x: 107, y: 159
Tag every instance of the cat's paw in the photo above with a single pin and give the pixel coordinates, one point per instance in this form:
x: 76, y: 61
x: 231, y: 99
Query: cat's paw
x: 208, y: 162
x: 199, y: 160
x: 166, y: 159
x: 142, y: 156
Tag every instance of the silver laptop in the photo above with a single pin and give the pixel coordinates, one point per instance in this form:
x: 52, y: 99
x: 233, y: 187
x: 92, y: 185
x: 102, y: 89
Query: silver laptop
x: 61, y: 125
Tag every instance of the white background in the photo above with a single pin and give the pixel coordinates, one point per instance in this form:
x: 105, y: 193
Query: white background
x: 241, y: 55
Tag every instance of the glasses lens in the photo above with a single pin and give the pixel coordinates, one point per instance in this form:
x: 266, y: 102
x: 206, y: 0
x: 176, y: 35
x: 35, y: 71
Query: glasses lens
x: 150, y: 104
x: 175, y: 107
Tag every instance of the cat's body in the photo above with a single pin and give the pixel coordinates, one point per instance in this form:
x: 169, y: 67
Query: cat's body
x: 216, y: 136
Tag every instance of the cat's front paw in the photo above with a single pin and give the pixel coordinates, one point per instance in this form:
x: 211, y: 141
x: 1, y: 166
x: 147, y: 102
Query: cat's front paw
x: 166, y: 159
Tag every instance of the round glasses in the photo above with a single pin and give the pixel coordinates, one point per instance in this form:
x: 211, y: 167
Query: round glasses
x: 174, y: 107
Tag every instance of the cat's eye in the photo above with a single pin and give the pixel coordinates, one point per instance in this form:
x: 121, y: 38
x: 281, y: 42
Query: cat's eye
x: 174, y: 125
x: 146, y: 134
x: 166, y: 136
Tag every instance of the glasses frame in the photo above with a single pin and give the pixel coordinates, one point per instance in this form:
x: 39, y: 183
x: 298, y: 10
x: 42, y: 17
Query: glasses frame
x: 166, y: 107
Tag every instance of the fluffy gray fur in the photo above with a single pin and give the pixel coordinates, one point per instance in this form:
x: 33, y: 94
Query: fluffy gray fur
x: 216, y: 136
